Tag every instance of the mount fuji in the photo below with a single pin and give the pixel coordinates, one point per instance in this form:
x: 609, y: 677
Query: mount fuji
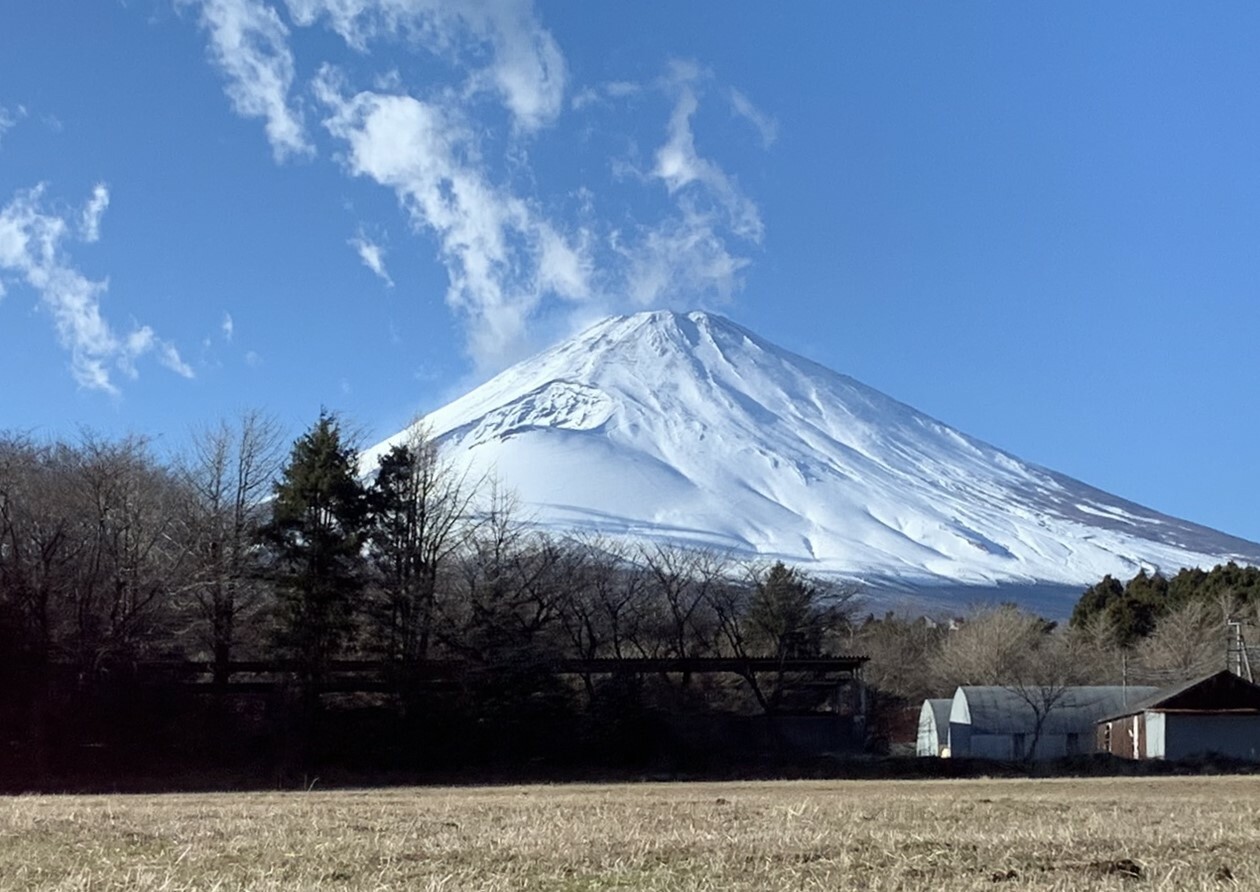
x: 689, y: 429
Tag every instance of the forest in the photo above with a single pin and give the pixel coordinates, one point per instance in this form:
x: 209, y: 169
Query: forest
x: 252, y: 558
x: 161, y: 616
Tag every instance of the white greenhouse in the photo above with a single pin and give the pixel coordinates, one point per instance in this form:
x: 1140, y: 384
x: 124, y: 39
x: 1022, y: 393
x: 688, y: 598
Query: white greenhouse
x: 1002, y: 722
x: 933, y: 738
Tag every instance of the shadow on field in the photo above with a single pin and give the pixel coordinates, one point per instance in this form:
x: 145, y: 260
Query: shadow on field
x: 211, y: 778
x: 154, y: 737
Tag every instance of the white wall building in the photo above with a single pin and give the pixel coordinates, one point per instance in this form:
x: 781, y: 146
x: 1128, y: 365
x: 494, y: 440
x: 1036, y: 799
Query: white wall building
x: 1219, y: 714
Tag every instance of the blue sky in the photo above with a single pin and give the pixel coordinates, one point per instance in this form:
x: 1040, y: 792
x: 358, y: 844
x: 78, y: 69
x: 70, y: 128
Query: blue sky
x: 1039, y: 225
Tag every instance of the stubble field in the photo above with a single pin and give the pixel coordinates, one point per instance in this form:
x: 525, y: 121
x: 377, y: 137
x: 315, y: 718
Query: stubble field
x: 1167, y: 833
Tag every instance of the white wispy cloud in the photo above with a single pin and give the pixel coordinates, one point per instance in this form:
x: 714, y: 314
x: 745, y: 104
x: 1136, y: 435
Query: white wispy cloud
x: 605, y: 92
x: 766, y: 126
x: 622, y: 89
x: 686, y: 258
x: 526, y: 68
x: 31, y: 248
x: 373, y: 257
x: 680, y: 166
x: 169, y: 357
x: 681, y: 261
x: 143, y: 340
x: 501, y: 254
x: 9, y: 119
x: 90, y: 219
x: 511, y: 258
x: 228, y: 327
x: 249, y: 45
x: 529, y: 69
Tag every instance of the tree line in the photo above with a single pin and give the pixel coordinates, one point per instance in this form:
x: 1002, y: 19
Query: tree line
x: 251, y: 547
x: 1134, y: 609
x: 246, y: 548
x: 1152, y: 630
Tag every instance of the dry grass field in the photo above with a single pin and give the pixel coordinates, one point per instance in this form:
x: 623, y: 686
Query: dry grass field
x: 1168, y: 833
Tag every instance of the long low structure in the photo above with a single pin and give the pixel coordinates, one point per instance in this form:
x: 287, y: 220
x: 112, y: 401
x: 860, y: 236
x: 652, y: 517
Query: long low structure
x: 1218, y: 714
x: 1016, y: 722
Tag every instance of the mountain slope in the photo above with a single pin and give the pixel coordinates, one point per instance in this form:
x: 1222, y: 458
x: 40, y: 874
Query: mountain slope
x: 688, y: 428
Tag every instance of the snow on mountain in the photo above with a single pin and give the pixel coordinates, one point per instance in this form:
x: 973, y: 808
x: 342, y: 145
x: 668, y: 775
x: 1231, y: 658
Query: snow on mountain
x: 687, y: 428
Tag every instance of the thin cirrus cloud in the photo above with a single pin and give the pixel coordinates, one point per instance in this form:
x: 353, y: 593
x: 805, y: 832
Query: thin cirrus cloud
x: 527, y: 70
x: 90, y: 219
x: 373, y: 257
x: 766, y: 126
x: 680, y: 166
x: 604, y: 93
x: 687, y: 255
x: 488, y: 235
x: 249, y: 44
x: 32, y: 249
x: 508, y: 255
x: 9, y: 119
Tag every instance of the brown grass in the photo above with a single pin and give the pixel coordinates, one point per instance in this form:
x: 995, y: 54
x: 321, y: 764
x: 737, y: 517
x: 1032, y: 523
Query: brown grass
x: 1176, y: 833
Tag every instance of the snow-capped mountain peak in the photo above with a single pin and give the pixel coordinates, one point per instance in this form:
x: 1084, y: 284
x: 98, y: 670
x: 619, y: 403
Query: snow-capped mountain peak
x: 686, y: 427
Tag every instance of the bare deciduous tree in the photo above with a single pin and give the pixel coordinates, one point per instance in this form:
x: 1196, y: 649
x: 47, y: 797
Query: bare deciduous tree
x: 39, y: 551
x: 602, y: 606
x: 128, y: 507
x: 507, y: 594
x: 1008, y: 648
x: 422, y: 514
x: 229, y: 473
x: 1097, y: 652
x: 1188, y: 641
x: 680, y: 580
x: 990, y: 647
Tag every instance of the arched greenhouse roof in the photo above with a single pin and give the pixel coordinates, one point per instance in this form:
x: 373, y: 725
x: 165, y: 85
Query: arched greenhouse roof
x: 1013, y: 709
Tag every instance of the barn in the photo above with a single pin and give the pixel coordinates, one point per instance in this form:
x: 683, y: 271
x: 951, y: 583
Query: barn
x: 1001, y: 722
x: 933, y: 739
x: 1218, y: 714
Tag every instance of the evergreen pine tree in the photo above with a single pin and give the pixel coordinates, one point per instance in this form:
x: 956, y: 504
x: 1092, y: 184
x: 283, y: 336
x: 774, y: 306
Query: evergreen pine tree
x: 395, y: 554
x: 1097, y: 600
x: 786, y: 615
x: 316, y: 535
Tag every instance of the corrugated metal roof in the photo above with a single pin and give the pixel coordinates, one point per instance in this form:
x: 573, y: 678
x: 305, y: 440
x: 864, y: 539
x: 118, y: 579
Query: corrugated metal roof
x: 1240, y: 692
x: 1010, y: 710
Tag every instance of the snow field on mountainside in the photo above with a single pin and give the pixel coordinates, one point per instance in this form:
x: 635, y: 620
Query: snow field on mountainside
x: 686, y: 428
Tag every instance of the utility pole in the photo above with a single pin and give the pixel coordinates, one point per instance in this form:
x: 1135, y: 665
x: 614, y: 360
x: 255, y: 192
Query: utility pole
x: 1237, y: 660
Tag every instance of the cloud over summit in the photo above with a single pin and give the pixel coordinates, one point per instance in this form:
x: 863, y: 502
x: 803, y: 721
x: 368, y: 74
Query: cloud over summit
x: 457, y: 149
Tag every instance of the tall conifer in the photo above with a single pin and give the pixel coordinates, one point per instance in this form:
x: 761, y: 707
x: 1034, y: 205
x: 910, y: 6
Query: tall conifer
x: 316, y: 534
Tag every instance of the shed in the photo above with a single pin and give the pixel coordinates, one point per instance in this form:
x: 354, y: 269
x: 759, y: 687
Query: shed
x: 1001, y: 722
x: 933, y: 739
x: 1219, y: 713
